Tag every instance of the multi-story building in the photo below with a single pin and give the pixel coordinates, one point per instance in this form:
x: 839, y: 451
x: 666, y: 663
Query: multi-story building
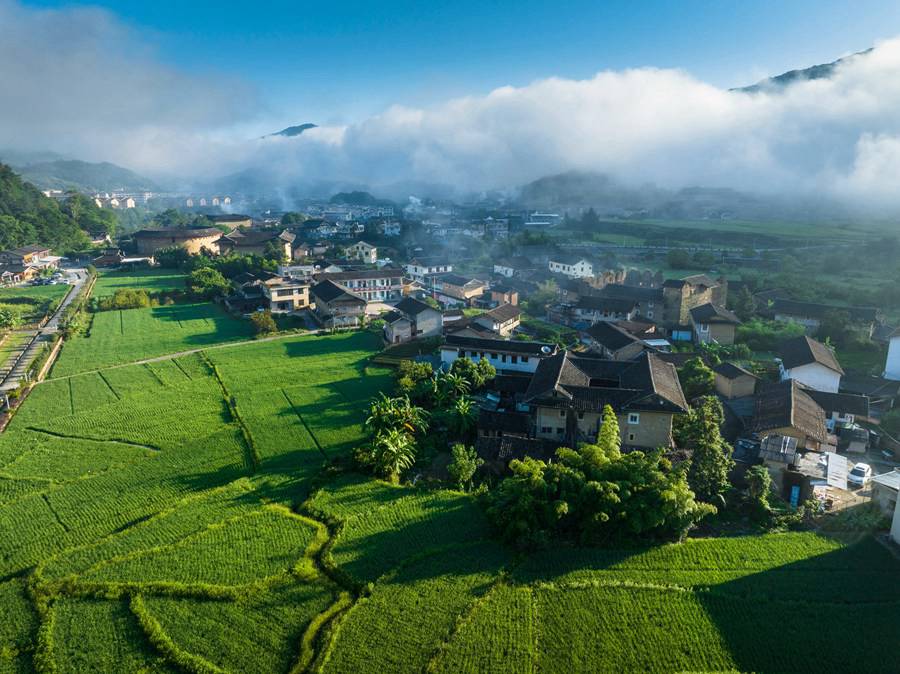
x: 574, y: 266
x: 373, y: 285
x: 285, y: 294
x: 422, y: 268
x: 505, y: 355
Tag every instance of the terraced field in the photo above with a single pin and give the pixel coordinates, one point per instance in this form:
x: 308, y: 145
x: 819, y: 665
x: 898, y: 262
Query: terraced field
x: 175, y: 516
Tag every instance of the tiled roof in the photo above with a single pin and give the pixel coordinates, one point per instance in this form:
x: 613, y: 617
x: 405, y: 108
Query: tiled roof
x: 844, y: 403
x: 804, y: 350
x: 646, y: 383
x: 177, y: 233
x: 503, y: 313
x: 611, y: 336
x: 329, y: 291
x: 612, y: 304
x: 365, y: 274
x: 732, y: 371
x: 710, y: 313
x: 542, y: 349
x: 412, y: 307
x: 787, y: 405
x: 508, y: 422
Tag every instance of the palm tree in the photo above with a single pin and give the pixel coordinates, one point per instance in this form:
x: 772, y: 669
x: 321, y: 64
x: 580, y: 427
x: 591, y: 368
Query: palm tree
x: 396, y: 413
x: 394, y: 452
x: 463, y: 418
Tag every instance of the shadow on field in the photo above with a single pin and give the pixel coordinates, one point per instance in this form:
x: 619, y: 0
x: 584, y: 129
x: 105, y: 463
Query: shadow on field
x: 838, y: 611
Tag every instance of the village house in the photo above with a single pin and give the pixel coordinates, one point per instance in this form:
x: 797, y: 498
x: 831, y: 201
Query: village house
x: 811, y: 363
x: 390, y: 229
x: 336, y: 306
x: 649, y: 302
x: 285, y: 294
x: 892, y: 363
x: 503, y: 319
x: 733, y: 381
x: 257, y: 242
x: 787, y: 414
x: 885, y: 489
x: 150, y: 241
x: 841, y: 409
x: 421, y: 269
x: 34, y: 257
x: 504, y: 294
x: 412, y: 319
x: 591, y: 309
x: 713, y: 324
x: 365, y: 252
x: 611, y: 341
x: 373, y: 285
x: 505, y: 355
x: 682, y: 295
x: 568, y: 392
x: 455, y: 289
x: 811, y: 314
x: 571, y: 265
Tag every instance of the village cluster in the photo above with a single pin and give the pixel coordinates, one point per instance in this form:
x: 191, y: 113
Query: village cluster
x: 622, y: 337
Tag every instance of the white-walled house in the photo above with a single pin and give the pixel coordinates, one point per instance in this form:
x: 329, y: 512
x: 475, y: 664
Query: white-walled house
x: 575, y: 267
x: 363, y: 251
x: 892, y: 365
x: 810, y: 363
x: 505, y: 355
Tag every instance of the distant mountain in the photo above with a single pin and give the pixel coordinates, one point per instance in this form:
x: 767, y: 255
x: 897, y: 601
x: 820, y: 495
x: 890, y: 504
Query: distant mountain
x: 82, y: 176
x: 292, y: 131
x: 817, y: 72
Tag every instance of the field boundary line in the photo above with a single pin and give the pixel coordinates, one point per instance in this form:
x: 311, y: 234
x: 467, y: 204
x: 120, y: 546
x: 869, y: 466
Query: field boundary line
x: 106, y: 381
x: 305, y: 425
x: 319, y: 629
x: 55, y: 514
x: 183, y: 371
x: 118, y: 441
x: 251, y: 457
x: 187, y: 352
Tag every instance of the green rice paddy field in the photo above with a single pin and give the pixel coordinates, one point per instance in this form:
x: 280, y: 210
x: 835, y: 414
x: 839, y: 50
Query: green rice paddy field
x: 31, y: 303
x: 177, y: 516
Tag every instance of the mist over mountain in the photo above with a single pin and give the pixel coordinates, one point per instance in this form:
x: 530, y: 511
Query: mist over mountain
x: 292, y: 131
x: 82, y: 176
x: 816, y: 72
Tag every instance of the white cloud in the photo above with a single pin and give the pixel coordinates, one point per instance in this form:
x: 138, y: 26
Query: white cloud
x: 79, y: 82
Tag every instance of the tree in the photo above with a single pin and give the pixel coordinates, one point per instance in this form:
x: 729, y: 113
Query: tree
x: 293, y: 218
x: 173, y: 257
x: 703, y: 259
x: 207, y: 283
x: 743, y: 304
x: 463, y: 418
x: 836, y: 327
x: 711, y: 456
x: 393, y: 451
x: 411, y: 375
x: 476, y: 374
x: 8, y: 319
x: 697, y: 378
x: 759, y: 482
x: 263, y: 322
x: 464, y: 463
x: 396, y: 414
x: 609, y: 438
x: 678, y: 259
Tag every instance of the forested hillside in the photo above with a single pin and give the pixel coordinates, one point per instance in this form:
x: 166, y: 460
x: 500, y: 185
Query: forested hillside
x: 27, y: 216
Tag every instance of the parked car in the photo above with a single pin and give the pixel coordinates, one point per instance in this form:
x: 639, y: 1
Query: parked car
x: 860, y: 475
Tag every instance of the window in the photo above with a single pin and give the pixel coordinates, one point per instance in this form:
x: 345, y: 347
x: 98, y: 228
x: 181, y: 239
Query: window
x: 546, y: 429
x: 581, y: 415
x: 634, y: 418
x: 649, y: 314
x: 562, y: 413
x: 524, y: 359
x: 494, y: 356
x: 704, y: 327
x: 631, y: 437
x: 515, y: 359
x: 560, y: 431
x: 503, y: 358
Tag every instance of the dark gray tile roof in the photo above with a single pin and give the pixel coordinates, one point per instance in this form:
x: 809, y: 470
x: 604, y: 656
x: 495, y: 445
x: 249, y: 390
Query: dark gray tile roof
x: 710, y: 313
x: 804, y: 350
x: 786, y: 404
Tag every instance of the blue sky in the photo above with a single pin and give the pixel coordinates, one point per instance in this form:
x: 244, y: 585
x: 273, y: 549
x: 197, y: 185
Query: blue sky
x: 342, y: 61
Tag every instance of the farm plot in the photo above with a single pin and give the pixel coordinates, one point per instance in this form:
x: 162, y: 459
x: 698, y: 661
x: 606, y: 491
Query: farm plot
x: 29, y: 304
x: 409, y: 615
x: 101, y: 636
x: 217, y: 631
x: 117, y: 337
x: 151, y: 280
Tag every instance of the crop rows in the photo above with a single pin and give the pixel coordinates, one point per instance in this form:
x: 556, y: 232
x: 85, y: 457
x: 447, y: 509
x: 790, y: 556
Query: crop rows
x: 411, y: 614
x: 118, y: 337
x: 151, y: 280
x: 238, y: 551
x: 261, y: 633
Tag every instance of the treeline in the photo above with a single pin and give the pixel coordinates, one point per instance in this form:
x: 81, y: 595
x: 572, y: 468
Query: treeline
x: 28, y: 217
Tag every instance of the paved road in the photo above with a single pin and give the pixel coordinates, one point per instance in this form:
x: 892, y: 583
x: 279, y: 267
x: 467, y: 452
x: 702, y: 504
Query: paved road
x: 44, y: 335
